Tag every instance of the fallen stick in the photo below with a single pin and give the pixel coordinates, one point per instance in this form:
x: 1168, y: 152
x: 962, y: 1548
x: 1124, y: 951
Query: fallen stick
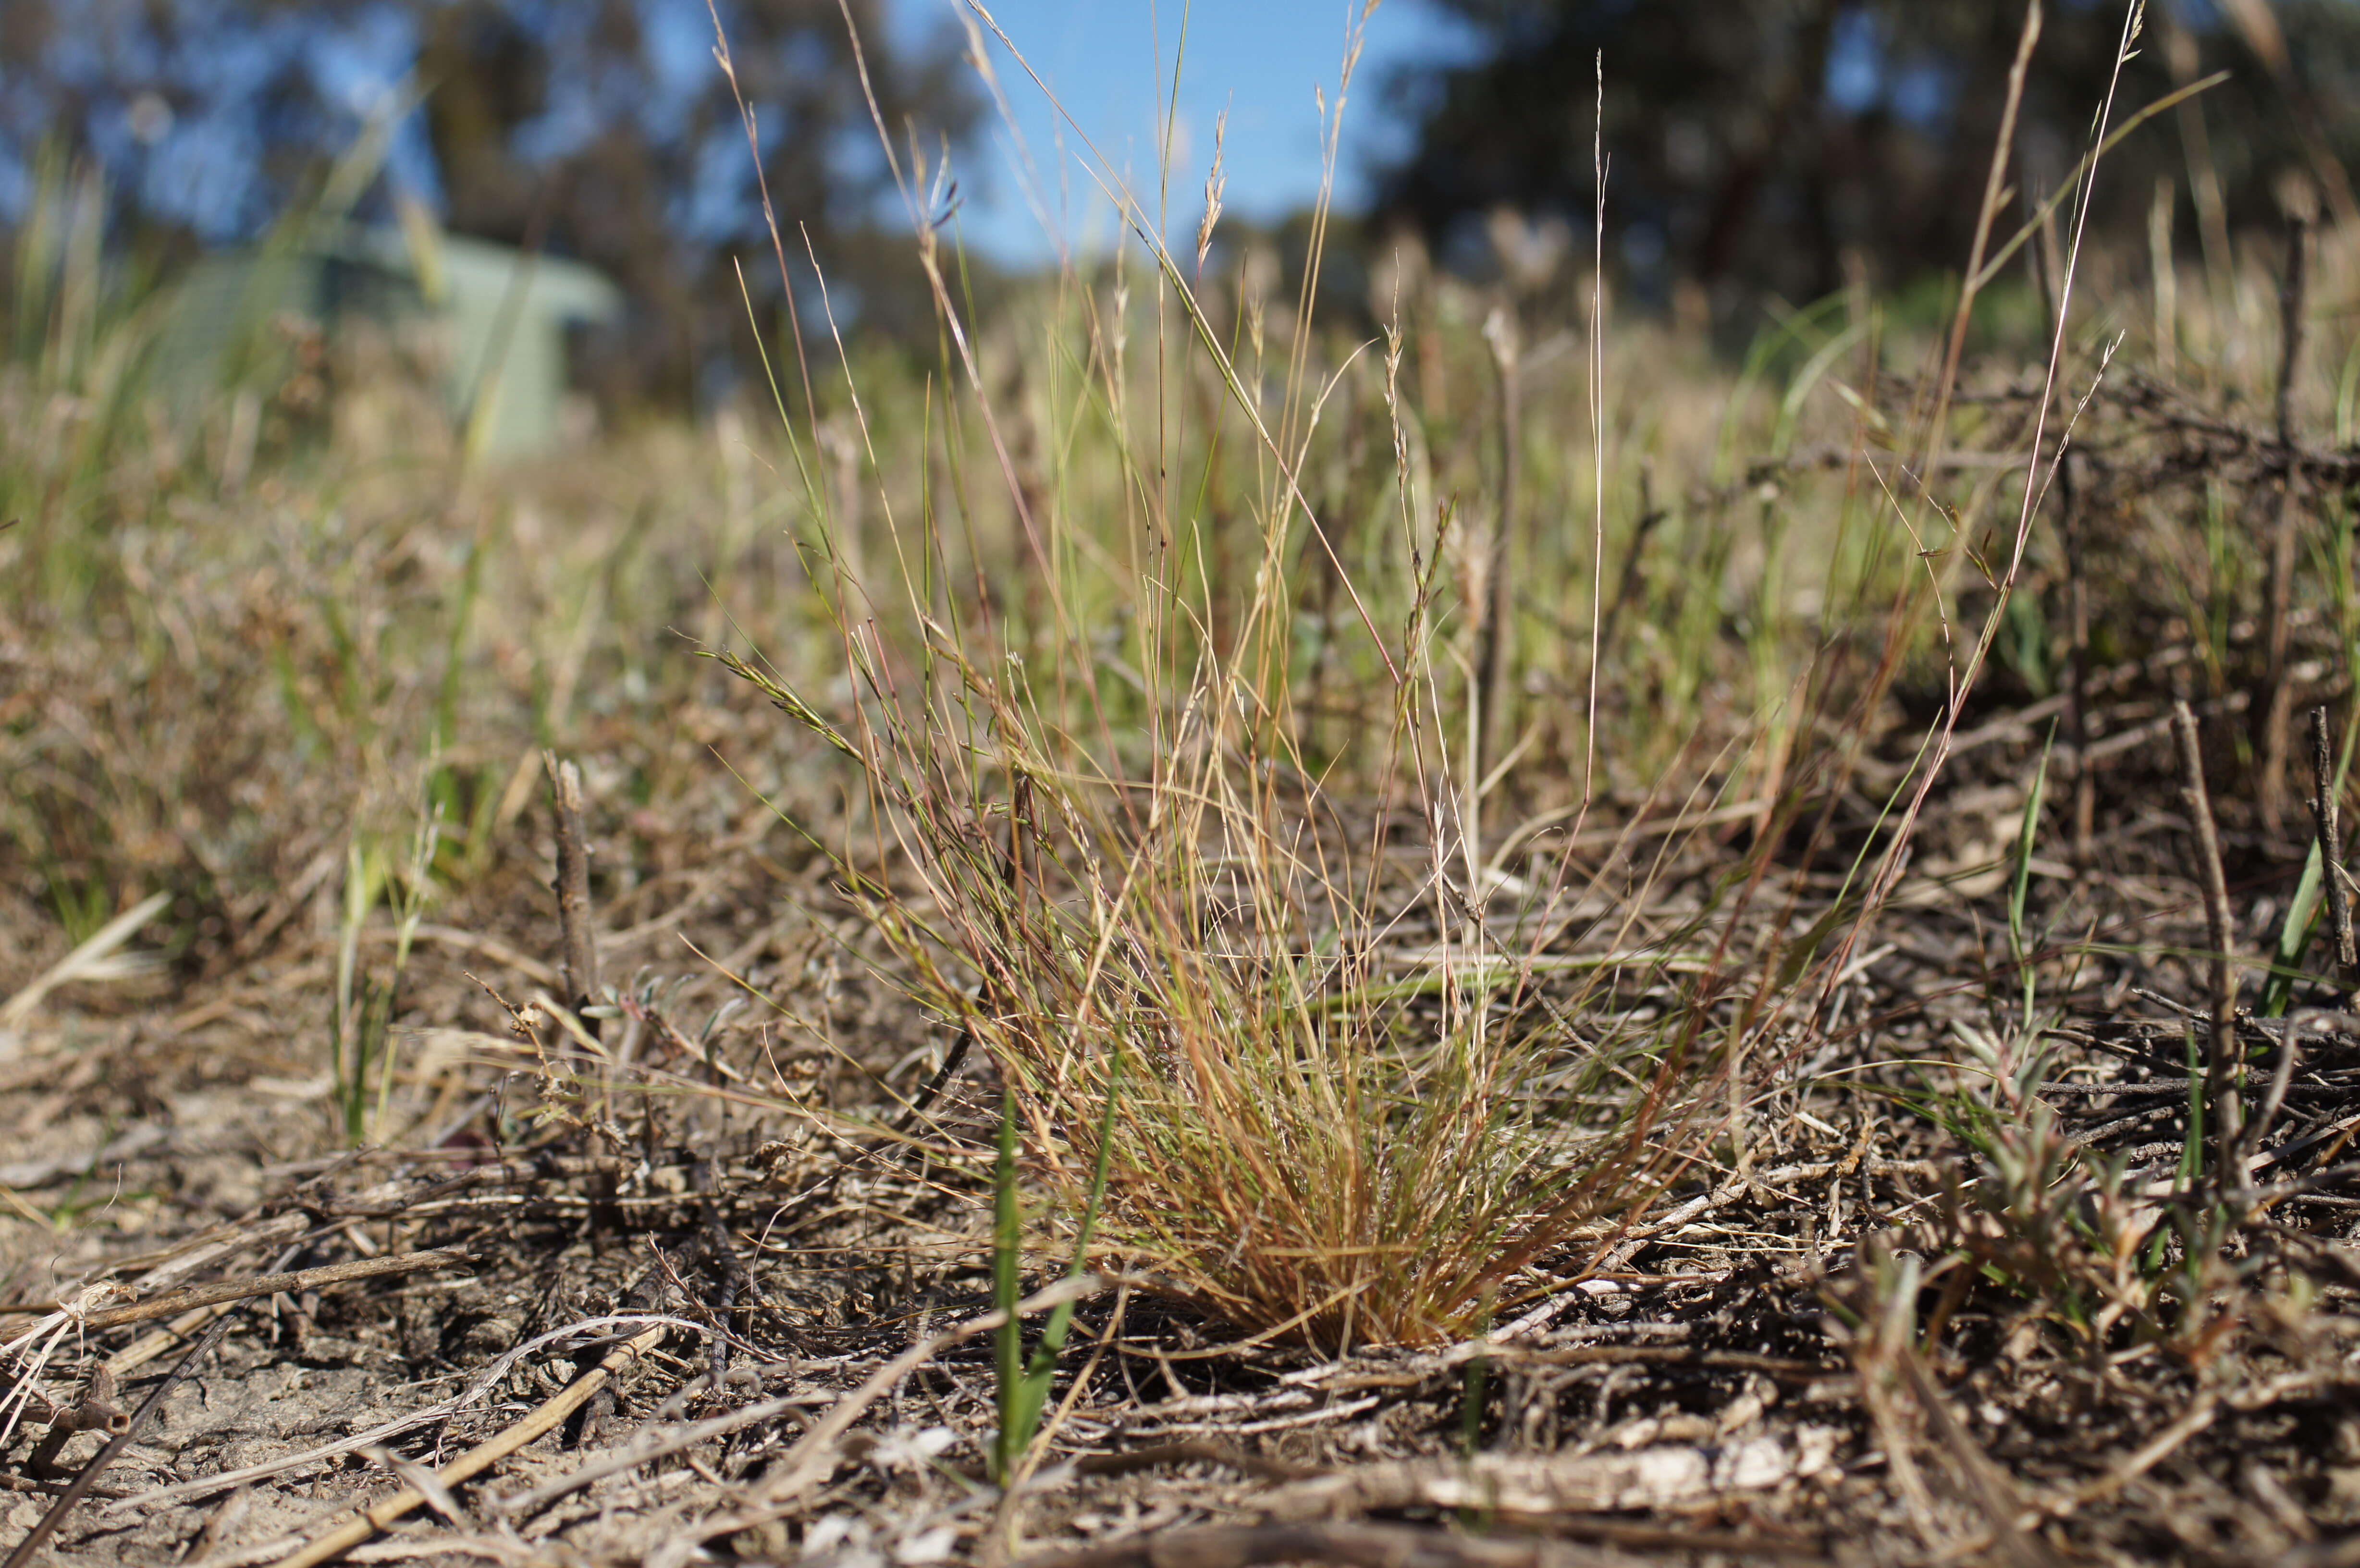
x: 174, y: 1302
x: 483, y: 1456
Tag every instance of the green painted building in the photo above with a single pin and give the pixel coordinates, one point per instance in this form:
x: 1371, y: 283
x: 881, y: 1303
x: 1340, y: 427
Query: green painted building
x: 502, y: 317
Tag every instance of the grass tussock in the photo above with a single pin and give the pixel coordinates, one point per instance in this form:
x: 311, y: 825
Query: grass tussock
x: 1333, y: 1087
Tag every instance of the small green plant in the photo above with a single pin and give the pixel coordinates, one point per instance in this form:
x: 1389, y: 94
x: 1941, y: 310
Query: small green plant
x: 2300, y: 927
x: 2020, y: 943
x: 362, y: 1026
x: 1024, y: 1380
x: 2047, y: 1219
x: 1477, y: 1386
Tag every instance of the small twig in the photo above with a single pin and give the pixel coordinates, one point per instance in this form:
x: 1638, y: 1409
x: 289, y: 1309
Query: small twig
x: 302, y: 1279
x: 2271, y: 711
x: 2327, y: 818
x: 551, y: 1413
x: 581, y: 942
x: 88, y: 1479
x: 2220, y: 1069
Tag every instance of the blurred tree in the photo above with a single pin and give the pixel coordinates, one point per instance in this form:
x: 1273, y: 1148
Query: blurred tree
x: 1754, y: 143
x: 598, y: 129
x: 602, y: 128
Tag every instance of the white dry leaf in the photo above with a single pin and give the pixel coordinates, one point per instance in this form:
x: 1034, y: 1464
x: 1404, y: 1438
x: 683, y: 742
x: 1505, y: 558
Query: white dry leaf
x: 833, y: 1531
x: 936, y: 1545
x: 95, y: 959
x: 30, y: 1352
x: 903, y: 1449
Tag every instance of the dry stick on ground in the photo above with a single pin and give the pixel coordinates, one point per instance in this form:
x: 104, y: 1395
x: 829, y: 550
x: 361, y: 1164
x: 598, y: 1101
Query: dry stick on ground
x: 83, y: 1483
x: 2221, y: 1067
x: 548, y: 1416
x: 2272, y: 711
x: 295, y: 1283
x: 1360, y: 1545
x: 2326, y: 818
x: 581, y: 954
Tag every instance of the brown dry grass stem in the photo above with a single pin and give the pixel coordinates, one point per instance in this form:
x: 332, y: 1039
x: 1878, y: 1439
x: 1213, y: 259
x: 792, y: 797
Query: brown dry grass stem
x: 2273, y: 707
x: 2327, y: 821
x: 575, y: 921
x: 1495, y: 654
x: 2224, y: 1062
x: 296, y: 1282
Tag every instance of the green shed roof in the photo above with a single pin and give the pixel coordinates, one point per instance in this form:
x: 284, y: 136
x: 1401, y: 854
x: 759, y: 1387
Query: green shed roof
x: 507, y: 312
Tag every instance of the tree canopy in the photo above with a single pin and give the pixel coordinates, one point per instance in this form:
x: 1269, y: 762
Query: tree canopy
x: 1759, y: 142
x: 598, y: 129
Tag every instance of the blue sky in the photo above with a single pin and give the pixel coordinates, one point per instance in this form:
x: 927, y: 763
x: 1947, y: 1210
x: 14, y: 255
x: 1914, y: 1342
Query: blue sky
x: 1257, y: 59
x: 1109, y: 61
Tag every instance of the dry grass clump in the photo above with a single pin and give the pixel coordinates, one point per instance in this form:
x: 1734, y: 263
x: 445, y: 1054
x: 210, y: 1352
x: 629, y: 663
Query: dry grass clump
x: 1332, y: 1100
x: 1190, y: 835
